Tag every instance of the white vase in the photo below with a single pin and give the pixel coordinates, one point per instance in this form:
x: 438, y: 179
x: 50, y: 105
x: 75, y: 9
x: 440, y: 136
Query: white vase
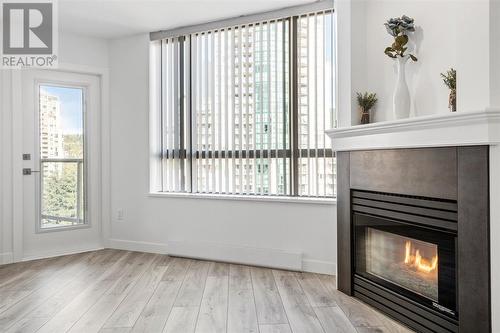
x: 401, y: 106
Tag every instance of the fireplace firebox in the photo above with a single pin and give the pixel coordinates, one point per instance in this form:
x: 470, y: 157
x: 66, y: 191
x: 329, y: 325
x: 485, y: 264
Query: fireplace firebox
x: 413, y: 235
x: 412, y: 257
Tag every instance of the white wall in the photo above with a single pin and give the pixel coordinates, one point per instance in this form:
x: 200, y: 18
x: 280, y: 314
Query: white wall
x: 3, y: 158
x: 73, y: 50
x: 344, y: 46
x: 449, y: 34
x: 5, y: 168
x: 2, y: 131
x: 82, y: 50
x: 495, y: 53
x: 359, y: 44
x: 266, y: 233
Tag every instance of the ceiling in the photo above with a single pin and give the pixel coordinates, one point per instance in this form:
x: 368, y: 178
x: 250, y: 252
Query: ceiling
x: 114, y: 18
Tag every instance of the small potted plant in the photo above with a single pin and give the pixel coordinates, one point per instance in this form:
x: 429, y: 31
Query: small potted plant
x: 450, y: 80
x: 366, y: 102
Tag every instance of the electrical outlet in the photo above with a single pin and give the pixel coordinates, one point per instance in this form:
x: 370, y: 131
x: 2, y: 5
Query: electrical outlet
x: 119, y: 214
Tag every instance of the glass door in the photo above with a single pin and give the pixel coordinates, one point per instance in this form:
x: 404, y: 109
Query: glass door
x: 416, y: 262
x: 60, y: 198
x: 407, y: 262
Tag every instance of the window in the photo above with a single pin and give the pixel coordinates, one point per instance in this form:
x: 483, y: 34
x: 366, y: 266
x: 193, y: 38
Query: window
x: 243, y: 109
x: 62, y: 150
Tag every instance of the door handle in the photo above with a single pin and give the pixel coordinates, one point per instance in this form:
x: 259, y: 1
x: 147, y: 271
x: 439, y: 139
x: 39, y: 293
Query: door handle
x: 28, y: 171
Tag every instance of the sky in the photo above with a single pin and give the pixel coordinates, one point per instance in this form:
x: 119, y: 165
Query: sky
x: 71, y: 100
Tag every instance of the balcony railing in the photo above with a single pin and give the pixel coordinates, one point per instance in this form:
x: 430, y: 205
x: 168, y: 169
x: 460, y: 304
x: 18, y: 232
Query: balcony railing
x: 57, y: 167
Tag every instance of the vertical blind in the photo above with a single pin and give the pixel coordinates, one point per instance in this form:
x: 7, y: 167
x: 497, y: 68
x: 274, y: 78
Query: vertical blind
x: 243, y: 109
x: 315, y: 99
x: 175, y: 128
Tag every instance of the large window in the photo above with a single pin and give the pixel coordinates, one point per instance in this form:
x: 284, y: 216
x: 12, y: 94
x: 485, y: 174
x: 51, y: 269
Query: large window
x: 243, y: 109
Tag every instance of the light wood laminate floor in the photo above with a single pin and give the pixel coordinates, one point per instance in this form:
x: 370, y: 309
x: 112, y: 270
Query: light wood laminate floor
x: 113, y: 291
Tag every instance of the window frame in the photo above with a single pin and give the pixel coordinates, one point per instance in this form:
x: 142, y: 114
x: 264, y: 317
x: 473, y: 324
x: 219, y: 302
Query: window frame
x: 84, y: 161
x: 292, y: 152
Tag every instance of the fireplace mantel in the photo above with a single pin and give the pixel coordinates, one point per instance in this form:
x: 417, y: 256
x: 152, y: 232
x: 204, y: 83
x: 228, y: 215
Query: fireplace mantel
x: 451, y: 129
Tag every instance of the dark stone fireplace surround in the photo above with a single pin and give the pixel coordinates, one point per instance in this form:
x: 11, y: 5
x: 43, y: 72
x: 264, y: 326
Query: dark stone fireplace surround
x: 458, y: 175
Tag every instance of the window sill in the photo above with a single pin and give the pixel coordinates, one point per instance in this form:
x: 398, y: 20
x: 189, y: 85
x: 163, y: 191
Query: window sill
x: 62, y: 228
x: 261, y: 198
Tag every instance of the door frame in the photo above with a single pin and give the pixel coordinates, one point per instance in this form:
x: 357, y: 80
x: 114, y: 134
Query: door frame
x: 103, y: 182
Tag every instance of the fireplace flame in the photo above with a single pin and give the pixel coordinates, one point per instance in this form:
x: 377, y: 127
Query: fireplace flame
x: 416, y: 260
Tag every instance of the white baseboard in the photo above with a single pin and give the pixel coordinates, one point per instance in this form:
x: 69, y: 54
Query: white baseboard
x: 128, y: 245
x: 319, y: 266
x: 229, y: 253
x: 6, y: 258
x: 205, y: 250
x: 58, y: 253
x: 237, y: 254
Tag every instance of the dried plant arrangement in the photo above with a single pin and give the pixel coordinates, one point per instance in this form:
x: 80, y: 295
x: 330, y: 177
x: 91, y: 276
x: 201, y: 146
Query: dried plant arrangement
x: 366, y: 102
x: 450, y: 80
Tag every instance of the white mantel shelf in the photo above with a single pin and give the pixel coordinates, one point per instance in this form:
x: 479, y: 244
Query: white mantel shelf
x: 450, y: 129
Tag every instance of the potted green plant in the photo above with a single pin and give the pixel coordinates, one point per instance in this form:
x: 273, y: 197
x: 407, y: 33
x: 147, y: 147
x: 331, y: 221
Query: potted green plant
x: 450, y: 80
x: 366, y: 102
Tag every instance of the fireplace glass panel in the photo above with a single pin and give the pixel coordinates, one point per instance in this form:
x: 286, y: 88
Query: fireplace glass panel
x: 409, y: 263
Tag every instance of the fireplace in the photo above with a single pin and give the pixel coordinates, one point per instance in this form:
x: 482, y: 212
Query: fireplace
x: 415, y: 262
x: 413, y: 235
